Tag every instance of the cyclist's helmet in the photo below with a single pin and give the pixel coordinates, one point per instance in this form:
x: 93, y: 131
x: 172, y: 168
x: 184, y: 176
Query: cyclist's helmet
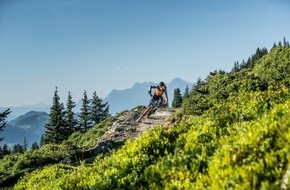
x: 162, y: 84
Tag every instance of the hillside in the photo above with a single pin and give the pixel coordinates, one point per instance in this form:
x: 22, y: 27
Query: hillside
x: 29, y: 125
x: 232, y: 132
x: 103, y: 138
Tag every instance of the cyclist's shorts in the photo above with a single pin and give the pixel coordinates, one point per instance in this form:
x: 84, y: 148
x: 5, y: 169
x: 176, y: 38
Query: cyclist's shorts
x: 158, y: 98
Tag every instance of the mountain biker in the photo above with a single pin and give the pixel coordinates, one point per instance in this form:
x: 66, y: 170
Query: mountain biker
x: 160, y: 90
x: 156, y: 101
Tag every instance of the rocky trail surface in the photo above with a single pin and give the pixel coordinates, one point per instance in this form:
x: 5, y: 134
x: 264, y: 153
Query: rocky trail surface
x: 126, y: 128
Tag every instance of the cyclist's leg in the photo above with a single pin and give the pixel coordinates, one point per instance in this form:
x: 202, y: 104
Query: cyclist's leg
x: 161, y: 103
x: 154, y: 98
x: 160, y: 100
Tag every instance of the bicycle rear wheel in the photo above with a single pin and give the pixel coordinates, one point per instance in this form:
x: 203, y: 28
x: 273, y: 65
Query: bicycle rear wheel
x: 145, y: 112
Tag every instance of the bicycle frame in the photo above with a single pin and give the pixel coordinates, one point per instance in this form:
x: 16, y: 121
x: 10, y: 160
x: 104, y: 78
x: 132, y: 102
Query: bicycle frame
x: 148, y: 110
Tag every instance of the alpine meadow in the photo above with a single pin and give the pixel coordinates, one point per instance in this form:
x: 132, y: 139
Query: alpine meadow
x: 232, y: 131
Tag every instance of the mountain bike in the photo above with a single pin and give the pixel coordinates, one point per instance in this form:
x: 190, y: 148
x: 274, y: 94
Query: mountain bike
x: 150, y: 109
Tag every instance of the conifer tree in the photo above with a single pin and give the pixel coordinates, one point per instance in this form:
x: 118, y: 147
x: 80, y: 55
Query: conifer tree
x: 18, y: 148
x: 186, y: 93
x: 177, y: 98
x: 25, y: 145
x: 71, y: 122
x: 3, y: 122
x: 285, y: 42
x: 34, y: 146
x: 6, y: 150
x: 236, y: 67
x: 41, y: 143
x: 55, y: 129
x: 85, y: 123
x: 99, y: 110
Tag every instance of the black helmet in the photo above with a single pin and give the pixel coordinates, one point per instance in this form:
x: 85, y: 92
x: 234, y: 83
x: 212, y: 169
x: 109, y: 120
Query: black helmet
x: 162, y: 84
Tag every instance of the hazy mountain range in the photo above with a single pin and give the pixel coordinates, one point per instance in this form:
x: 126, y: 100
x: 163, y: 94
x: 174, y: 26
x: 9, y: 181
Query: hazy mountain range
x: 29, y: 121
x: 20, y: 110
x: 29, y: 126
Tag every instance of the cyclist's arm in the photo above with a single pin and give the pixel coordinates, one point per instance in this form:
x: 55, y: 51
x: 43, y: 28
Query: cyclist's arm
x: 166, y: 97
x: 150, y: 88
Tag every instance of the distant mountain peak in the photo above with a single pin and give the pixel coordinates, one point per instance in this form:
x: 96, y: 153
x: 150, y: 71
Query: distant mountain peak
x: 177, y: 79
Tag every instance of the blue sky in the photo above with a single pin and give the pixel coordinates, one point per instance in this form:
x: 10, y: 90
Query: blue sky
x: 101, y: 45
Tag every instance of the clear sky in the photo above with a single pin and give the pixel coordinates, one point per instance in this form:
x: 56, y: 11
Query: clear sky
x: 101, y: 45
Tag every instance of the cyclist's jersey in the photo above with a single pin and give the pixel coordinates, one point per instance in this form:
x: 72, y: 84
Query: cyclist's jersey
x: 159, y: 92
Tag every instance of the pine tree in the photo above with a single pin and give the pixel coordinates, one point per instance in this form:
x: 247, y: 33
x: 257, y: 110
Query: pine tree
x: 34, y: 146
x: 177, y: 98
x: 285, y: 42
x: 85, y: 123
x: 18, y: 148
x: 71, y: 122
x: 5, y: 150
x: 236, y: 67
x: 99, y: 111
x: 186, y: 93
x: 25, y: 144
x: 55, y: 129
x: 3, y: 122
x: 41, y: 143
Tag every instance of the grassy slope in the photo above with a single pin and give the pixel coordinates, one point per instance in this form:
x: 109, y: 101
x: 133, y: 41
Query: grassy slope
x: 12, y: 167
x: 238, y: 143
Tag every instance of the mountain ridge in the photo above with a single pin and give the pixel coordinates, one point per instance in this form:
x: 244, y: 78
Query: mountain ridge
x: 29, y: 125
x: 137, y: 95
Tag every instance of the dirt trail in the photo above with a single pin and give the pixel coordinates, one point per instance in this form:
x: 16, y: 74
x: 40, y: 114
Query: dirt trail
x: 158, y: 118
x: 126, y: 128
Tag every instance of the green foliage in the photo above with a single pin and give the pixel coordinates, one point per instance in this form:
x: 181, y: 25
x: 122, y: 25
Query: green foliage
x: 70, y: 120
x: 52, y: 175
x: 3, y: 116
x: 90, y: 138
x: 177, y: 98
x: 55, y: 129
x: 34, y: 146
x: 85, y: 122
x: 270, y: 70
x: 15, y: 165
x: 18, y: 148
x: 4, y: 150
x: 274, y: 68
x: 252, y: 155
x: 99, y: 110
x: 48, y: 154
x: 245, y: 106
x: 186, y: 93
